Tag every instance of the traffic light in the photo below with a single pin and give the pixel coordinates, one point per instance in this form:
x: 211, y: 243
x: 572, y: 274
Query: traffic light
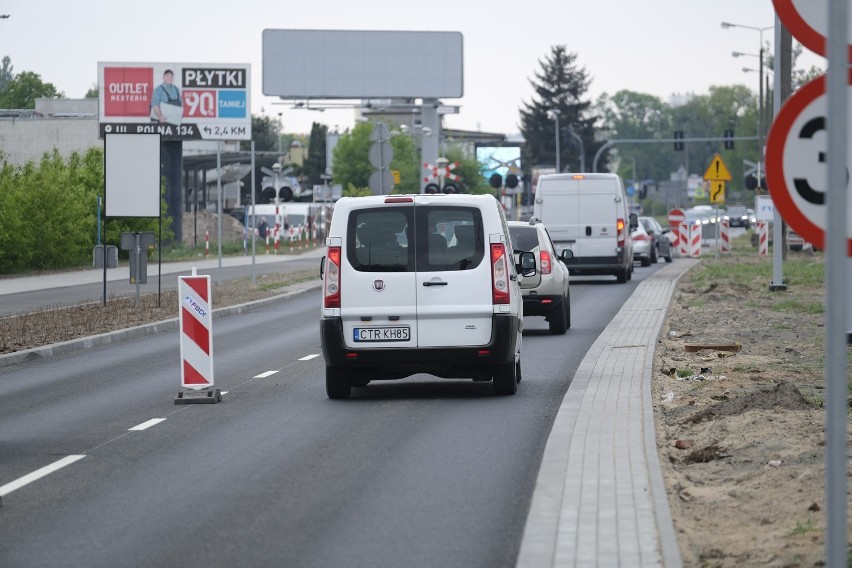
x: 729, y: 139
x: 511, y: 181
x: 496, y: 181
x: 450, y: 187
x: 751, y: 182
x: 431, y: 188
x: 678, y: 144
x: 643, y: 191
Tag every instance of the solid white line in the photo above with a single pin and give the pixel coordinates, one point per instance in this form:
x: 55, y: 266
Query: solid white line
x: 264, y: 375
x: 148, y: 424
x: 223, y: 393
x: 38, y: 474
x: 309, y: 357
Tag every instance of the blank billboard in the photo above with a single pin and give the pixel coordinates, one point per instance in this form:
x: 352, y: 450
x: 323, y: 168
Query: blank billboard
x: 132, y: 175
x: 350, y: 64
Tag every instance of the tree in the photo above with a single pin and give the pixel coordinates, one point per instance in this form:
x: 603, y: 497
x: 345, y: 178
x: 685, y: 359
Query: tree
x: 22, y: 91
x: 264, y: 131
x: 6, y: 74
x: 92, y: 93
x: 351, y: 157
x: 560, y: 85
x: 315, y: 161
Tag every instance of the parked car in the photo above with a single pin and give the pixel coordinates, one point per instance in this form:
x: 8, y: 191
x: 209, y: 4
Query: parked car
x: 447, y: 302
x: 643, y: 249
x: 660, y: 238
x: 547, y: 292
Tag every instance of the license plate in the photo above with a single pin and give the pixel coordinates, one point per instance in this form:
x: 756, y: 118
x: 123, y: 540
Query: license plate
x: 399, y: 333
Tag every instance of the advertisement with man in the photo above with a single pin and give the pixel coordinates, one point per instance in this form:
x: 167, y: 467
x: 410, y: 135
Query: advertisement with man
x: 179, y: 101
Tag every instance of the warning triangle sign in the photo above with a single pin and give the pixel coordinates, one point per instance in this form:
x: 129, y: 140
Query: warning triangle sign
x: 717, y: 171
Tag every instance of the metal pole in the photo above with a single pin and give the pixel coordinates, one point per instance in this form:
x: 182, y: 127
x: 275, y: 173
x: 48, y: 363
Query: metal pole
x: 253, y: 219
x: 836, y: 286
x: 556, y: 118
x: 219, y: 204
x: 777, y: 283
x: 760, y: 113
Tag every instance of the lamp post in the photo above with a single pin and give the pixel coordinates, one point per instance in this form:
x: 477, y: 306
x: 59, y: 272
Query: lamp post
x: 279, y: 133
x: 554, y: 115
x: 727, y: 25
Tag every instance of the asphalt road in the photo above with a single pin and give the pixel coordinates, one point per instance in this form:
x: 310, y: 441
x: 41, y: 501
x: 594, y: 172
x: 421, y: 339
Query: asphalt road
x: 418, y: 472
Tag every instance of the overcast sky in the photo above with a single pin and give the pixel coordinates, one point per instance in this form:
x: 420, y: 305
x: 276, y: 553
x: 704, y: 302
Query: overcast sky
x: 659, y: 47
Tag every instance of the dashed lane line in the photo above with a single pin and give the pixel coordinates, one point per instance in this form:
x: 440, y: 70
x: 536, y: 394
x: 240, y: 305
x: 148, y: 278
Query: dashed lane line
x: 264, y: 375
x: 146, y: 425
x: 309, y: 357
x: 38, y: 474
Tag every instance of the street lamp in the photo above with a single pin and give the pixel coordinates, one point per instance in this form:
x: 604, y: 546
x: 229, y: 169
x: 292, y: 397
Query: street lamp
x: 727, y: 25
x: 554, y: 115
x: 279, y: 133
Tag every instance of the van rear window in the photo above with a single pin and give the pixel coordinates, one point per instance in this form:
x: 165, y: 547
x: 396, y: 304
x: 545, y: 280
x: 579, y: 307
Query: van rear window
x: 379, y: 239
x: 453, y: 238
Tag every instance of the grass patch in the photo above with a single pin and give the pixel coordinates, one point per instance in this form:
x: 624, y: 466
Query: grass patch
x: 683, y: 373
x: 799, y: 307
x: 804, y: 527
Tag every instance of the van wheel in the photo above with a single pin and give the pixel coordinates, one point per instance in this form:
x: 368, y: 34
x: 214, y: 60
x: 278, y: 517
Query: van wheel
x: 621, y: 276
x: 558, y: 317
x: 337, y: 383
x: 505, y: 379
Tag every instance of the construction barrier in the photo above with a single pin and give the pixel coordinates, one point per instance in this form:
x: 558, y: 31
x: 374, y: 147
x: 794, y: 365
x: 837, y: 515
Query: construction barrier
x: 763, y: 238
x: 206, y: 243
x: 196, y: 340
x: 695, y: 240
x: 683, y: 239
x: 725, y: 235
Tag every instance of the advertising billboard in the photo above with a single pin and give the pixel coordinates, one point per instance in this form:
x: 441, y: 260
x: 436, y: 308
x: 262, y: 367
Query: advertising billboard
x: 178, y: 101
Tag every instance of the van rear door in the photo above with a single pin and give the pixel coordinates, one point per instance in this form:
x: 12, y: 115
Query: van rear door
x: 378, y: 294
x: 598, y: 215
x: 557, y: 205
x: 453, y: 279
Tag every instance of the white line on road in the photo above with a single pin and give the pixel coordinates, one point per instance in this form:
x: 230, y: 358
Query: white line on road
x: 309, y: 357
x: 38, y: 474
x: 148, y: 424
x: 223, y: 393
x: 264, y: 375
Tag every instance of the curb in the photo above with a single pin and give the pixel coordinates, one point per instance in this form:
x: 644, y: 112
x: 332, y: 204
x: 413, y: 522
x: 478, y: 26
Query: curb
x: 81, y: 343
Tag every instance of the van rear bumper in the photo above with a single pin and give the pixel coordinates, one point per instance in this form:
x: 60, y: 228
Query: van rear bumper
x: 449, y: 362
x: 597, y: 264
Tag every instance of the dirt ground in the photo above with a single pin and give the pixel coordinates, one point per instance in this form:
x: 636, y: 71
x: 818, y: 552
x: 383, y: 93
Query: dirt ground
x: 741, y: 433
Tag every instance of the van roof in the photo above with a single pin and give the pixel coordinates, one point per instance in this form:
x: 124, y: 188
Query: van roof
x: 577, y: 175
x: 422, y: 198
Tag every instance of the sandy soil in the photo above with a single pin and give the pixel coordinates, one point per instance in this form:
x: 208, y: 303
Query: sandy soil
x: 741, y: 434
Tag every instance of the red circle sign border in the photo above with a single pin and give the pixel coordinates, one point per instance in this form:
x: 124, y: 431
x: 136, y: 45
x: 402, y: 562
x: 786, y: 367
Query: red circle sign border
x: 802, y: 30
x: 775, y: 142
x: 681, y: 213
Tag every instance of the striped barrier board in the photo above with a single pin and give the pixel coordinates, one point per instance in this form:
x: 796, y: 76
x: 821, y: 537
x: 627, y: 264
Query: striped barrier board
x: 683, y: 239
x: 695, y: 241
x: 725, y: 235
x: 196, y: 340
x: 763, y: 238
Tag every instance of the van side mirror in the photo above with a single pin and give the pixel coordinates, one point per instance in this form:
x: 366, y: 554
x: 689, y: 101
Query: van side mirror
x: 566, y: 255
x: 634, y: 221
x: 526, y: 265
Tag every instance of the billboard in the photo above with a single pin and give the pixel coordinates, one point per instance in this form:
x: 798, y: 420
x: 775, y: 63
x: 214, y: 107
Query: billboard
x: 178, y: 101
x: 501, y: 160
x: 352, y: 64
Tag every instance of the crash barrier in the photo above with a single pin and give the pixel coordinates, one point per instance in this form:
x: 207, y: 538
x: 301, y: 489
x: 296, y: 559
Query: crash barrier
x: 695, y: 240
x: 195, y: 314
x: 725, y: 236
x: 763, y: 238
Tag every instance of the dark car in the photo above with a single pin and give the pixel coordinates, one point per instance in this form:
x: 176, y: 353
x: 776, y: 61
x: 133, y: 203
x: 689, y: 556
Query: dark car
x: 661, y: 244
x: 738, y: 216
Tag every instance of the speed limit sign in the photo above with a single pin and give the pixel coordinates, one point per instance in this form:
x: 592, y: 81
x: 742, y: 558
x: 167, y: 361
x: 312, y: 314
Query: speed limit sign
x: 796, y: 169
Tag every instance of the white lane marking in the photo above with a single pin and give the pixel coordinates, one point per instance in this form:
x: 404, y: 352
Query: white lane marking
x: 38, y: 474
x: 309, y: 357
x: 264, y: 375
x: 148, y: 424
x: 223, y: 393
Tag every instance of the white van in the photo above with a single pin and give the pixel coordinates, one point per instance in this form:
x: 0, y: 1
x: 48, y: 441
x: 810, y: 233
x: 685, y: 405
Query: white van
x: 421, y: 284
x: 588, y: 214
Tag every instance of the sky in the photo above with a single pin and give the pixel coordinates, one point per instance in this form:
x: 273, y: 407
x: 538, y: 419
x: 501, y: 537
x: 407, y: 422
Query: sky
x: 660, y: 47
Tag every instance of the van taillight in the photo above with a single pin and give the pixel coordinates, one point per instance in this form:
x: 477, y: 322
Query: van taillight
x: 544, y: 257
x: 332, y: 278
x: 619, y: 225
x: 499, y: 274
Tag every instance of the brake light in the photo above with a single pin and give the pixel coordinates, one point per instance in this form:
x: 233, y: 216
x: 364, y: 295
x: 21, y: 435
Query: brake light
x: 399, y: 200
x: 619, y: 225
x: 545, y: 262
x: 640, y: 237
x: 578, y: 176
x: 499, y: 274
x: 331, y: 293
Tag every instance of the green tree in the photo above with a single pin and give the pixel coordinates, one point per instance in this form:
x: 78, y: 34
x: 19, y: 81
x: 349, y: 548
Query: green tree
x: 560, y: 85
x: 92, y: 93
x: 315, y: 161
x: 351, y: 157
x: 6, y: 74
x: 23, y: 90
x: 264, y: 131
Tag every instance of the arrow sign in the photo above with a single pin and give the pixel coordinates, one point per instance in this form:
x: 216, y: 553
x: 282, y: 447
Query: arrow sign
x: 717, y: 170
x: 717, y: 191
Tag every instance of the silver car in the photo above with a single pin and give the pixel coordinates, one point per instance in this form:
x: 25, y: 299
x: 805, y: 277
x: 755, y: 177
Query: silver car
x: 546, y: 293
